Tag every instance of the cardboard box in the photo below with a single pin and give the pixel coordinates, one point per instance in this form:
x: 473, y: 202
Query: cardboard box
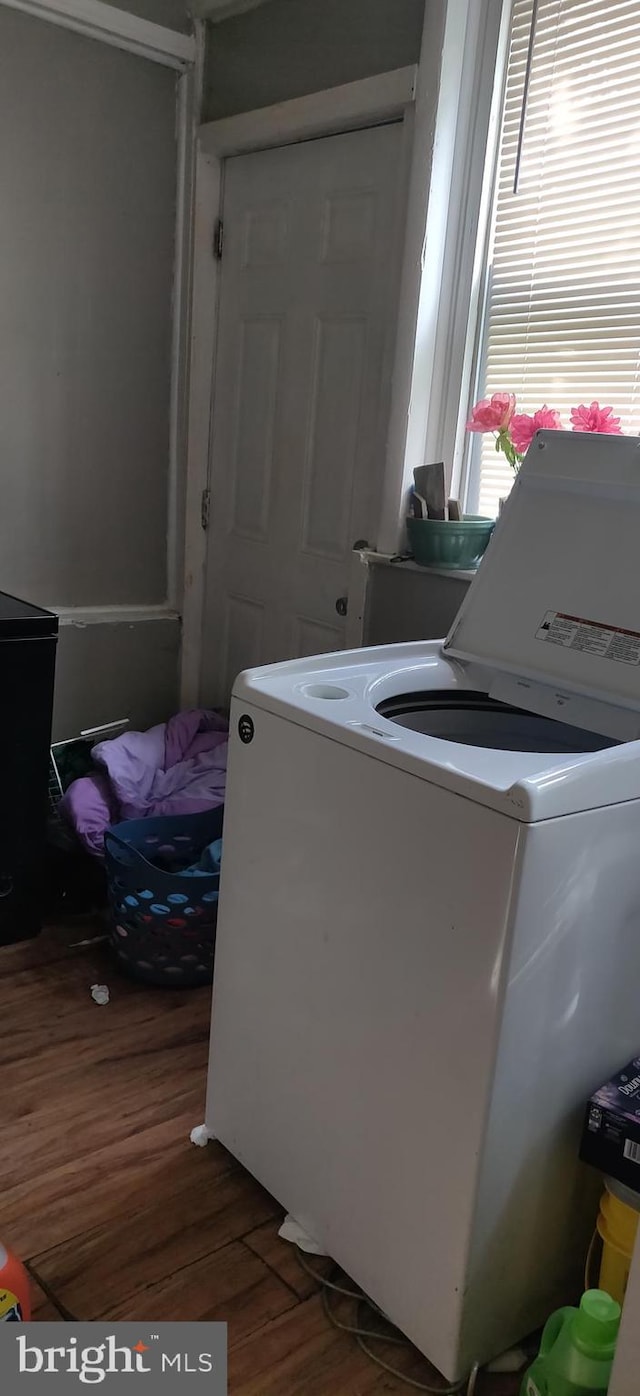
x: 611, y: 1133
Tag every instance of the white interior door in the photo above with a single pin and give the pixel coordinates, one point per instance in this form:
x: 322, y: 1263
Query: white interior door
x: 303, y: 366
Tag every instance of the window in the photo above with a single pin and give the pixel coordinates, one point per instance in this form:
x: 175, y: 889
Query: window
x: 561, y: 320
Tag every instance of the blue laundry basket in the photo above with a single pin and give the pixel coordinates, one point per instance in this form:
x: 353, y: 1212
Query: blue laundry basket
x: 163, y: 920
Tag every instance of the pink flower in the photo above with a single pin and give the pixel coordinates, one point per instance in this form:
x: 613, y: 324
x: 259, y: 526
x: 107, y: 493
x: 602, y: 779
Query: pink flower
x: 524, y: 427
x: 595, y: 418
x: 492, y: 414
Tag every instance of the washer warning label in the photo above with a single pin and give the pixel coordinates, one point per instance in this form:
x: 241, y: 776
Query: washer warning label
x: 589, y: 636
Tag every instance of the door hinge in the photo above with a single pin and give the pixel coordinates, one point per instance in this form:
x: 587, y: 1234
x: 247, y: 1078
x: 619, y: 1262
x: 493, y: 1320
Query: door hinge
x: 218, y: 239
x: 205, y: 509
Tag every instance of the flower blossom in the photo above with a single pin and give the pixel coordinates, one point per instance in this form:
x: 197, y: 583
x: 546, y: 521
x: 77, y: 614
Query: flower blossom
x: 595, y: 418
x: 524, y: 427
x: 492, y: 414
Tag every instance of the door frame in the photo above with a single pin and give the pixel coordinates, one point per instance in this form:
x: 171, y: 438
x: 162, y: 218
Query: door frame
x: 110, y: 25
x: 352, y: 106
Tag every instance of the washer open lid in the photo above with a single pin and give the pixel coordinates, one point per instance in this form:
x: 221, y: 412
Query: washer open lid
x: 554, y: 611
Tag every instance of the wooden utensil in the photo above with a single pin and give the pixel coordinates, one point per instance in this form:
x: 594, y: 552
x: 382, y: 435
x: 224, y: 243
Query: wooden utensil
x: 418, y: 506
x: 429, y: 481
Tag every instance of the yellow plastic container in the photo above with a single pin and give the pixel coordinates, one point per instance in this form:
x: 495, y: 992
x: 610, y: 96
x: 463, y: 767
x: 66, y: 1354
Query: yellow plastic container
x: 617, y: 1227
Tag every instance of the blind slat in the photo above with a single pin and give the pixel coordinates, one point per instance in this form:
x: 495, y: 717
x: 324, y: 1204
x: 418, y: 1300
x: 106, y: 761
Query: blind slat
x: 562, y: 321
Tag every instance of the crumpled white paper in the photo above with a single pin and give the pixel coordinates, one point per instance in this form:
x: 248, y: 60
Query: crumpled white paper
x: 510, y: 1361
x: 200, y: 1136
x: 292, y: 1231
x: 100, y: 993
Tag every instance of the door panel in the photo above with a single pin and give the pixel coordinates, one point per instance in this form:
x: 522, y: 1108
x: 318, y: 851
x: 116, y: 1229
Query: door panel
x: 332, y: 439
x: 305, y: 342
x: 252, y: 459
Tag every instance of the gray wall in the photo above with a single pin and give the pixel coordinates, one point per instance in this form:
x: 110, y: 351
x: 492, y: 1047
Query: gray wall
x: 288, y: 48
x: 87, y: 173
x: 112, y: 669
x: 173, y: 14
x: 407, y: 602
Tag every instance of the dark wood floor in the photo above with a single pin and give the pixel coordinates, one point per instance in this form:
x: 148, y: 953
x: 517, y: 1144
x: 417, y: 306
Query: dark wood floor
x: 116, y: 1213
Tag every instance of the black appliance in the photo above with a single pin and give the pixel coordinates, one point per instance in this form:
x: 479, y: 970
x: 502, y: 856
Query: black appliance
x: 28, y: 637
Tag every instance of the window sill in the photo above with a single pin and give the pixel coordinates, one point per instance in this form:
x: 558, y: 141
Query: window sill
x: 407, y: 564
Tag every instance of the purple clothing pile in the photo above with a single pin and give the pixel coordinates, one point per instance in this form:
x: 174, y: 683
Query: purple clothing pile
x: 179, y: 767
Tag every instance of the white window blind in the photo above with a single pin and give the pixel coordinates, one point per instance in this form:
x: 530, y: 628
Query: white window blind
x: 562, y: 308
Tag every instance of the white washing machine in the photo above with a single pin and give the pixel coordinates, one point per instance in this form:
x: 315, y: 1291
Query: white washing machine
x: 428, y: 944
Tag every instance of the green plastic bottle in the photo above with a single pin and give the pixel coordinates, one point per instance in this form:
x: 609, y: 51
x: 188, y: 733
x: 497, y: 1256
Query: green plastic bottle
x: 577, y: 1349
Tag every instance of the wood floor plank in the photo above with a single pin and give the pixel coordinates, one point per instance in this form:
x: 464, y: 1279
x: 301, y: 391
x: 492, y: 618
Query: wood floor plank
x: 98, y: 1269
x: 118, y: 1213
x: 281, y: 1257
x: 54, y: 943
x: 81, y: 1078
x: 51, y: 999
x: 42, y: 1308
x: 47, y: 969
x: 108, y: 1184
x: 43, y: 1038
x: 53, y: 1134
x: 100, y: 1073
x: 233, y: 1286
x: 51, y: 963
x: 300, y: 1352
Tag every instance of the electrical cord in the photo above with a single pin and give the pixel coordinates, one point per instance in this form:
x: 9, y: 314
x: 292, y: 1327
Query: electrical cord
x: 354, y: 1329
x: 364, y: 1336
x: 473, y: 1379
x: 323, y: 1281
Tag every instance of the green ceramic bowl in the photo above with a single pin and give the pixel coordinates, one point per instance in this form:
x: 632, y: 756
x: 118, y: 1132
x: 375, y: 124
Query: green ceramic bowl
x: 456, y: 546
